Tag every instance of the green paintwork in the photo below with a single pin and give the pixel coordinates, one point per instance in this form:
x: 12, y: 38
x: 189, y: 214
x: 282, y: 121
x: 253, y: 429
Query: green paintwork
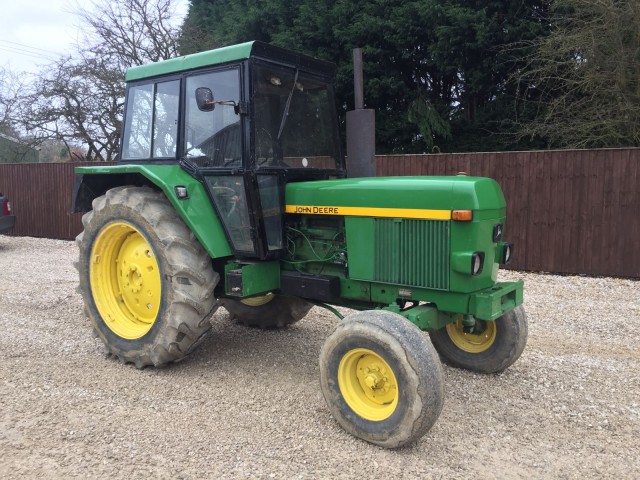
x: 414, y: 252
x: 433, y: 193
x: 485, y: 304
x: 189, y: 62
x: 469, y: 237
x: 395, y: 259
x: 427, y: 317
x: 360, y: 236
x: 196, y: 211
x: 488, y: 304
x: 260, y: 278
x: 494, y: 302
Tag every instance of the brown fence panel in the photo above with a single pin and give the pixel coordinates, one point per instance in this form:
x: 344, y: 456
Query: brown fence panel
x: 569, y: 211
x: 41, y: 197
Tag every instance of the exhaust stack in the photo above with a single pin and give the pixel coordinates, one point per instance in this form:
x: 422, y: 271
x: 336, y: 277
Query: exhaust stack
x: 361, y: 128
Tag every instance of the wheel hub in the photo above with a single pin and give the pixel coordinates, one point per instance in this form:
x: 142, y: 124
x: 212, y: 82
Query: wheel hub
x: 125, y: 280
x: 134, y: 281
x: 472, y: 339
x: 368, y: 384
x: 375, y: 380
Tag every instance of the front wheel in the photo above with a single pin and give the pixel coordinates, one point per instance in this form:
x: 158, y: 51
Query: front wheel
x: 488, y: 347
x: 381, y: 378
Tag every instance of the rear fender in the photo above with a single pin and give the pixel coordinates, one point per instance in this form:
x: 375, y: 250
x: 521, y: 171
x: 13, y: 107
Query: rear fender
x: 196, y: 210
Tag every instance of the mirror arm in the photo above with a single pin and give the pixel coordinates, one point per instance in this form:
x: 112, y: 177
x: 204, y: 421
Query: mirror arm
x: 239, y: 108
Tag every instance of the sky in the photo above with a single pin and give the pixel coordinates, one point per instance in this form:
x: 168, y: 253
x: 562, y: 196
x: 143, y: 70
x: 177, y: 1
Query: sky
x: 36, y: 32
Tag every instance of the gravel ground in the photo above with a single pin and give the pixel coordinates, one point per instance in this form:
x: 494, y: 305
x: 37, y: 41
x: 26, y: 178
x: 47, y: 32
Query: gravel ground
x: 247, y: 403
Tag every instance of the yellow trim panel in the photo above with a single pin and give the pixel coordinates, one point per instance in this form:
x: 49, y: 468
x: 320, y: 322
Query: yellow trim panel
x: 370, y: 212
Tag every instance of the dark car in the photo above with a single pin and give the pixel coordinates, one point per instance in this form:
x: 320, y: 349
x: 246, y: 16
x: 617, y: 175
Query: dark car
x: 7, y: 220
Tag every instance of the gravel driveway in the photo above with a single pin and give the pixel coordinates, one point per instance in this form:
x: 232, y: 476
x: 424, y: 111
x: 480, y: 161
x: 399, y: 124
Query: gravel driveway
x: 247, y: 403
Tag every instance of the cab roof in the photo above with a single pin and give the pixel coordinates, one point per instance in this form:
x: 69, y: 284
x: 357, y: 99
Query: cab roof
x: 232, y: 53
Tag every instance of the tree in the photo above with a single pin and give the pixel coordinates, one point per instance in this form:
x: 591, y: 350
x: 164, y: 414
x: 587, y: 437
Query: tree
x: 10, y: 86
x: 53, y: 151
x: 584, y: 78
x: 435, y: 70
x: 79, y: 99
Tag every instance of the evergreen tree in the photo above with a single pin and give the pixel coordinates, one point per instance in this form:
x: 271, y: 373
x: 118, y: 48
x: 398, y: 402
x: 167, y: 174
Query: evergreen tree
x: 436, y: 71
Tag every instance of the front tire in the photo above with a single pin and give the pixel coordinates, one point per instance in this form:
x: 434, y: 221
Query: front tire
x: 492, y: 347
x: 267, y: 311
x: 381, y: 378
x: 146, y: 282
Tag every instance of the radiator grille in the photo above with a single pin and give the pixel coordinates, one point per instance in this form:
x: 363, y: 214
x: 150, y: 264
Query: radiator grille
x: 425, y: 261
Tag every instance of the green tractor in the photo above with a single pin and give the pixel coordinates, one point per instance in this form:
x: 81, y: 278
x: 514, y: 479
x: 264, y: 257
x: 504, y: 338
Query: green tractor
x: 232, y: 191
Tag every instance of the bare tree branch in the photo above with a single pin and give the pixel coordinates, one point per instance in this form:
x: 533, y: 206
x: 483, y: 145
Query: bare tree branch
x: 585, y: 76
x: 79, y: 99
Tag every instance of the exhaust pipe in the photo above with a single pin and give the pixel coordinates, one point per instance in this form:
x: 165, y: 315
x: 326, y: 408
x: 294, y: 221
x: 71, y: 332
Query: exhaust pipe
x: 361, y: 128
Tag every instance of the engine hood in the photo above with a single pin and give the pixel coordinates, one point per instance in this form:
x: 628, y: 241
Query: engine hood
x: 407, y: 197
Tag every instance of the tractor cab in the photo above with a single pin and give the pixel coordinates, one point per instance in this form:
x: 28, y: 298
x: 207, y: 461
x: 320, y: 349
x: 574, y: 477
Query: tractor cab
x: 244, y: 120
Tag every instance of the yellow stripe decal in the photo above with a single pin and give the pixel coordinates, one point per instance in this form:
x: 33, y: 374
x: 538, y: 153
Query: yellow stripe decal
x: 370, y: 212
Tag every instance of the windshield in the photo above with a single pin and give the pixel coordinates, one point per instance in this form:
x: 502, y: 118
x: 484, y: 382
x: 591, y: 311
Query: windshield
x: 294, y: 120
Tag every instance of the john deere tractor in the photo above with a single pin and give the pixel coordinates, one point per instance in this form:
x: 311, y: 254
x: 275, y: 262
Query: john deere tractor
x: 232, y: 191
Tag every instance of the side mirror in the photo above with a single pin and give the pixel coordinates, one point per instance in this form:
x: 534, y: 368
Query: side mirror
x: 204, y: 99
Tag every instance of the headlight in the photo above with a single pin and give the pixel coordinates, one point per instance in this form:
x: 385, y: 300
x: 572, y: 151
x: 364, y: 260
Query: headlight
x: 497, y: 233
x: 468, y: 263
x: 508, y: 253
x: 477, y: 262
x: 504, y: 253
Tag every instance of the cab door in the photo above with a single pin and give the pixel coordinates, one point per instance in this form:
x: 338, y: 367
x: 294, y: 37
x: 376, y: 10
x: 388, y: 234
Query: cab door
x: 216, y: 143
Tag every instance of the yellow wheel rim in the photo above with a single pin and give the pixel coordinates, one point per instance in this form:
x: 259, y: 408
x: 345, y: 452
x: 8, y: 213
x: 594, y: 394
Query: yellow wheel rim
x: 258, y: 301
x: 476, y: 342
x: 125, y: 280
x: 368, y: 384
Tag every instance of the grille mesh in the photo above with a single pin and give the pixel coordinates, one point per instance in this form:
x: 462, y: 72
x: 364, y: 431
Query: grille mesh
x: 425, y: 243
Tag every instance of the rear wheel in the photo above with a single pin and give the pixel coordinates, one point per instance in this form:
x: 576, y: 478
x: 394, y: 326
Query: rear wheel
x: 267, y: 311
x: 381, y: 378
x: 146, y: 281
x: 487, y: 347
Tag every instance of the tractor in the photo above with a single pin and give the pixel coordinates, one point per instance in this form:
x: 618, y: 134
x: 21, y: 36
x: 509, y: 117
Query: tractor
x: 232, y: 190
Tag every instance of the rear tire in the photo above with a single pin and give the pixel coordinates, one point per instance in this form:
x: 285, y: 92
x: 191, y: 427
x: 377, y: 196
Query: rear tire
x: 381, y: 378
x: 495, y: 347
x: 267, y: 311
x: 146, y: 282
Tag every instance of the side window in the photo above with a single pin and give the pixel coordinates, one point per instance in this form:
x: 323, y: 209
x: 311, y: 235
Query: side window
x: 165, y: 124
x: 213, y: 138
x: 137, y: 127
x: 151, y: 123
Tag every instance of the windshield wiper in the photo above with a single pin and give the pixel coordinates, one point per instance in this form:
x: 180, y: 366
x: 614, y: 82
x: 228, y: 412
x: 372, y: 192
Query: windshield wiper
x: 285, y: 114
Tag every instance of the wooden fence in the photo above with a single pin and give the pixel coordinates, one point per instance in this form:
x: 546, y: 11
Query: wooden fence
x: 40, y: 194
x: 569, y: 211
